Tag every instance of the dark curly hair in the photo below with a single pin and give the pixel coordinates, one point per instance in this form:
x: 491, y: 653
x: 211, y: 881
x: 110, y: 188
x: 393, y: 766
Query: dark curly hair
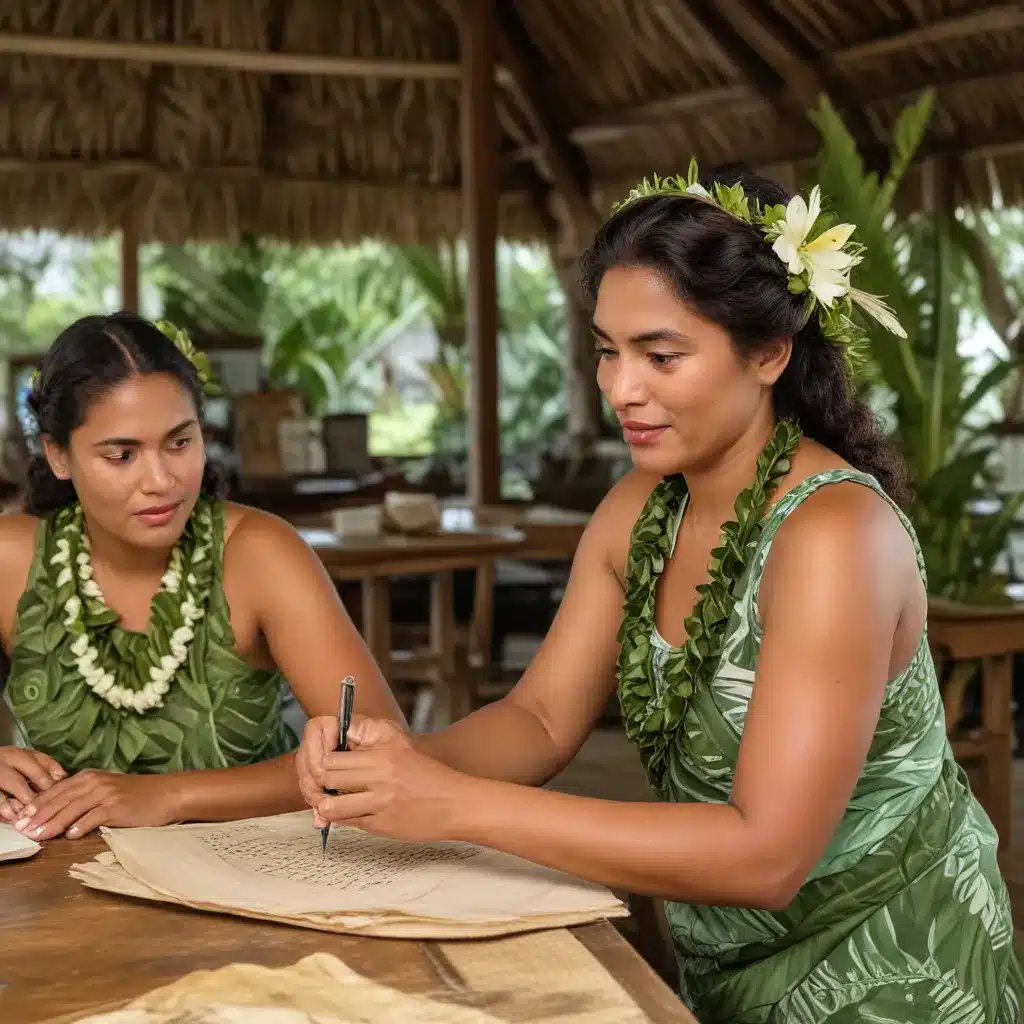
x: 724, y: 269
x: 88, y: 359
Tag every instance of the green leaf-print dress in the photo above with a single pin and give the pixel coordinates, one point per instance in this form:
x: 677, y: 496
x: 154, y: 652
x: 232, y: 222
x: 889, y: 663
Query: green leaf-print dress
x: 906, y: 918
x: 218, y: 713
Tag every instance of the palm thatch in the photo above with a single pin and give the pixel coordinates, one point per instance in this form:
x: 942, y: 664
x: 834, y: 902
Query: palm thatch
x: 207, y: 118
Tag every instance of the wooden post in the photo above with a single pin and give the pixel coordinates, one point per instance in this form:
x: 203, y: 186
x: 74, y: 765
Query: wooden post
x: 480, y: 199
x: 129, y: 267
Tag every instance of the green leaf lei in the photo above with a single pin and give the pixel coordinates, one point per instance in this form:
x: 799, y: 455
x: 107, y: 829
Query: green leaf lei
x: 652, y: 717
x: 131, y: 671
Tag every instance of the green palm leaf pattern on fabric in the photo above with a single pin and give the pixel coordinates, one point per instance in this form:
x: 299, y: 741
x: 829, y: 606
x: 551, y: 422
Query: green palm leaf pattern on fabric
x: 219, y: 712
x: 906, y: 918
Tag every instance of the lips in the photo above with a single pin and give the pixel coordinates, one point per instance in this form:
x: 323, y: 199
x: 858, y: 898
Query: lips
x: 158, y: 510
x: 635, y: 432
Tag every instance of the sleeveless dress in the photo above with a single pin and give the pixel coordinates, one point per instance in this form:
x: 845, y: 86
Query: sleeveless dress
x: 906, y: 918
x: 218, y: 713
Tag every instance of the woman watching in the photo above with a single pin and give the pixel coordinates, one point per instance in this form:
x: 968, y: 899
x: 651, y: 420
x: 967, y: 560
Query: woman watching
x: 149, y: 624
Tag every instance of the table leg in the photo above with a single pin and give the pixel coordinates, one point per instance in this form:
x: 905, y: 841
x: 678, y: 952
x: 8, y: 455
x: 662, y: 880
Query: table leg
x: 376, y: 594
x: 997, y: 721
x: 448, y: 703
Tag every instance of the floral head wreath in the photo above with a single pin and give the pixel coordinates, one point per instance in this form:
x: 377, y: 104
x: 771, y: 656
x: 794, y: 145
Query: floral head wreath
x: 818, y: 257
x: 183, y: 343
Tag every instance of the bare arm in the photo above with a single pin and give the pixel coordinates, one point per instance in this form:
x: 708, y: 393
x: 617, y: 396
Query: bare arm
x: 833, y: 595
x: 534, y: 732
x: 314, y: 644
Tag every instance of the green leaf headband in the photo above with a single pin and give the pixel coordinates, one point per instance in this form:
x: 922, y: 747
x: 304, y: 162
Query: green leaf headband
x: 818, y: 263
x: 200, y: 360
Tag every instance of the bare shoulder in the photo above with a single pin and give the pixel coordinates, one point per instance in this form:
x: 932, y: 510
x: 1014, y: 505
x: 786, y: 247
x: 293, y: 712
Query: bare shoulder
x: 611, y: 526
x: 252, y: 532
x: 844, y: 511
x: 848, y: 532
x: 18, y: 536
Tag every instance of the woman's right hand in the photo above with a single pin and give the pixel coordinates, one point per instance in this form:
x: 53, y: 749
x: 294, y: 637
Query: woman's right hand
x: 23, y: 774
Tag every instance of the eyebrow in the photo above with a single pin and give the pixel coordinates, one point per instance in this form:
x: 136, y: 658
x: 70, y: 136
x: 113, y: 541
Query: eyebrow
x: 132, y: 442
x: 645, y: 337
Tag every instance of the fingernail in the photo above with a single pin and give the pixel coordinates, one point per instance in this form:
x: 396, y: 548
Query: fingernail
x: 38, y: 831
x: 21, y: 823
x: 29, y: 811
x: 57, y: 773
x: 73, y: 831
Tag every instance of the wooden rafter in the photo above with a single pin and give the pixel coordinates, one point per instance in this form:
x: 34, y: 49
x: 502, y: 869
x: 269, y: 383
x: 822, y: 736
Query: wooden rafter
x: 764, y: 46
x: 1000, y: 18
x: 557, y: 155
x: 553, y: 154
x: 255, y: 61
x: 231, y: 174
x: 745, y: 98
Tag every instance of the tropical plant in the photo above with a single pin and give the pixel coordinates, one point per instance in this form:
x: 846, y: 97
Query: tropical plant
x: 925, y: 266
x: 531, y: 312
x: 324, y: 316
x: 331, y: 351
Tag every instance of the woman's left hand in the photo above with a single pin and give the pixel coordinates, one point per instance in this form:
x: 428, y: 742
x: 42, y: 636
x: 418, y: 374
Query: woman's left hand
x: 389, y: 788
x: 82, y: 802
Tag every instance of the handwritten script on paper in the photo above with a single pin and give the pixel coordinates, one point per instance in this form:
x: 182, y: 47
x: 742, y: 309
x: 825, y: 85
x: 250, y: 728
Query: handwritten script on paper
x: 363, y: 862
x: 273, y: 867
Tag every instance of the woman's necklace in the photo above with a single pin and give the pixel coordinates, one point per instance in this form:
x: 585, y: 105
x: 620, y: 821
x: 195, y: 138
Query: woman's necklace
x: 652, y: 716
x: 132, y: 676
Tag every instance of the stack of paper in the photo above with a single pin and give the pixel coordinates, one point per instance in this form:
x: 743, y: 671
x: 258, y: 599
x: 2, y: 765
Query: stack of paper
x: 15, y: 846
x: 272, y: 868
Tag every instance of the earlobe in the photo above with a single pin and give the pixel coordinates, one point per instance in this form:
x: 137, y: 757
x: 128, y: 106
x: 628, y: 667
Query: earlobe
x: 56, y: 460
x: 774, y: 359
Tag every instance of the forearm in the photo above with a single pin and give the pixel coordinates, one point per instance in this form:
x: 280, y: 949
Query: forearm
x: 693, y: 853
x: 503, y: 741
x: 248, y: 791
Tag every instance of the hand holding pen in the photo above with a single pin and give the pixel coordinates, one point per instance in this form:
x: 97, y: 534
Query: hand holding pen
x: 345, y: 704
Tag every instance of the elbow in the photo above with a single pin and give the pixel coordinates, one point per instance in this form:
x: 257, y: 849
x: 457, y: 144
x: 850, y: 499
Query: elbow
x: 774, y: 898
x: 777, y: 887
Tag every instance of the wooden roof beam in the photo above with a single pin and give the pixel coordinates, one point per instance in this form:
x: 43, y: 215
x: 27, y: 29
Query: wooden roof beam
x: 253, y: 61
x: 562, y: 161
x: 554, y: 156
x: 1000, y: 18
x: 765, y: 45
x: 614, y: 125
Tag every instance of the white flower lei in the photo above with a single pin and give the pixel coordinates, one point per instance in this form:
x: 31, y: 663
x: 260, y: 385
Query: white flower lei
x: 179, y: 579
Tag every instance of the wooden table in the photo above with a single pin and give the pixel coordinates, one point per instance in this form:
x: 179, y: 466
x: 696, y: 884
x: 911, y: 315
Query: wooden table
x: 65, y: 948
x: 549, y: 534
x: 991, y: 635
x: 374, y: 560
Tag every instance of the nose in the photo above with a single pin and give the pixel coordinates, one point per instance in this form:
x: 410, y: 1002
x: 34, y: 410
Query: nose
x: 156, y: 475
x: 623, y: 382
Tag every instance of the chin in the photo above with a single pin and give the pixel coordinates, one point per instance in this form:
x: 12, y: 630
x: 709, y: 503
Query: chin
x: 657, y: 459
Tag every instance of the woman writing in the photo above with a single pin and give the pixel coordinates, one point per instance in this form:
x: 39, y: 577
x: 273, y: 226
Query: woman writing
x: 148, y: 624
x: 759, y: 599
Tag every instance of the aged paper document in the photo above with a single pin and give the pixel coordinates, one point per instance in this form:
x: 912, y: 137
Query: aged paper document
x: 547, y: 978
x: 273, y: 868
x: 15, y: 846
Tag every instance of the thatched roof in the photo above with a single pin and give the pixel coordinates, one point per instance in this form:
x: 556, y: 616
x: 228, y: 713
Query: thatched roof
x: 218, y: 127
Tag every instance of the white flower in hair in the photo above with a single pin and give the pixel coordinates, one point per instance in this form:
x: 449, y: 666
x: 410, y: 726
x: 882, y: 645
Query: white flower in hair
x: 827, y: 265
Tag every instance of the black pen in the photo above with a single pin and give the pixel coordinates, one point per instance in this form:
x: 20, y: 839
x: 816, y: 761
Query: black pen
x: 348, y: 694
